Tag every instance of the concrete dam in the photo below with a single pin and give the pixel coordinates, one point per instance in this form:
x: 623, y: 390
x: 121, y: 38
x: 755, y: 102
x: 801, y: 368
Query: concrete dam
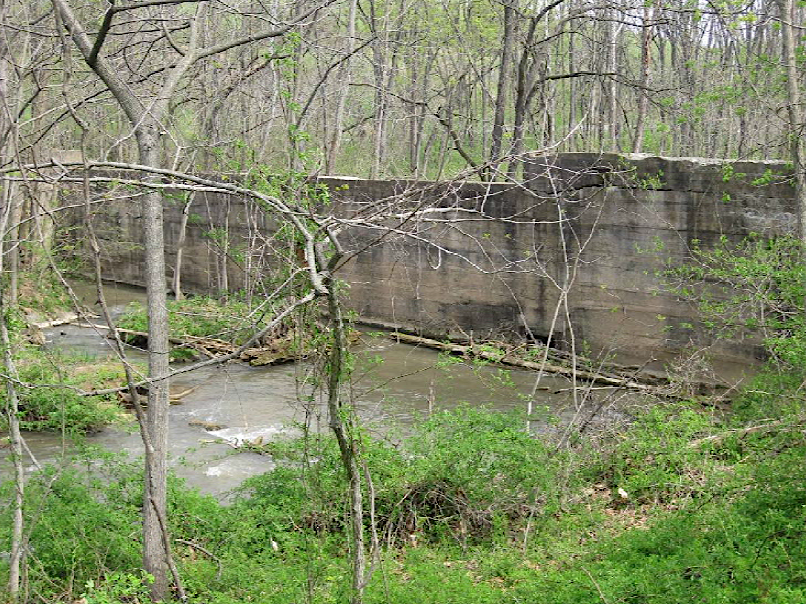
x: 572, y: 253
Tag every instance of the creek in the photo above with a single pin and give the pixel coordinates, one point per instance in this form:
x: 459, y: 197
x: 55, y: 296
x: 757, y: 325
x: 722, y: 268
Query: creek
x: 394, y: 385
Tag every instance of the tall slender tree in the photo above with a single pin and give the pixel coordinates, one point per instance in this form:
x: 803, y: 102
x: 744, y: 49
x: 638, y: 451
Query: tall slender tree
x: 147, y: 109
x: 794, y: 109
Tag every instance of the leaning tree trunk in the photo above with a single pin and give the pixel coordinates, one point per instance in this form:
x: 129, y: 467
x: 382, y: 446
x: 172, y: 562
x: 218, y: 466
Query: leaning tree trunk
x: 341, y: 422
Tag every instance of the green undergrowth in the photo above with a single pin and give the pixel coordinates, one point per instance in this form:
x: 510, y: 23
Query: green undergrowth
x: 232, y: 321
x: 682, y: 506
x: 51, y: 399
x: 200, y: 317
x: 41, y: 291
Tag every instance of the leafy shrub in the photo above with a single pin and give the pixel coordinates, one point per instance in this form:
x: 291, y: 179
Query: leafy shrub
x: 84, y: 528
x: 653, y: 461
x: 460, y: 475
x: 80, y: 527
x: 753, y: 287
x: 470, y: 469
x: 200, y: 317
x: 117, y: 587
x: 49, y: 402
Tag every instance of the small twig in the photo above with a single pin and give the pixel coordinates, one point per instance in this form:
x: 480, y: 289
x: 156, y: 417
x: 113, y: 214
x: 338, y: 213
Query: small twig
x: 599, y: 589
x: 206, y: 552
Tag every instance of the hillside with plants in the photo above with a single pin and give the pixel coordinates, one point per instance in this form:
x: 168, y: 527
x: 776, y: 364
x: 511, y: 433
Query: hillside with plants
x: 680, y: 497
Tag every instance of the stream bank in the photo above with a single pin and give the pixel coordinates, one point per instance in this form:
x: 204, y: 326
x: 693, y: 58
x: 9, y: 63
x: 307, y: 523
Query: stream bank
x: 226, y: 405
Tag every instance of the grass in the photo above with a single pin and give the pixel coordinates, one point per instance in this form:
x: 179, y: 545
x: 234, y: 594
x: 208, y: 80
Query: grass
x: 468, y: 509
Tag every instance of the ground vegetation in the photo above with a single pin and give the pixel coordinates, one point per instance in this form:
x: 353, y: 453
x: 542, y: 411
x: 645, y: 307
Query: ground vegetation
x: 682, y: 506
x: 470, y: 507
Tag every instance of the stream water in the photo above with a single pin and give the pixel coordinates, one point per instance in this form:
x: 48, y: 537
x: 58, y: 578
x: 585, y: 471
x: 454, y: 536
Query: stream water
x: 394, y: 385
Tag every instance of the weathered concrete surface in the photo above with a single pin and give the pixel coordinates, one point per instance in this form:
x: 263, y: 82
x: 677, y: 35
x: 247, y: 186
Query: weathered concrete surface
x: 571, y: 254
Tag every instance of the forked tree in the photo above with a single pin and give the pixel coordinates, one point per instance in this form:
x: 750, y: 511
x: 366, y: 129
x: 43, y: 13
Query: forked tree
x: 145, y: 98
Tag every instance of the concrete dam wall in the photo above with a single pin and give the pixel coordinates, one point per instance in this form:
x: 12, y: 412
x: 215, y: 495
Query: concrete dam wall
x: 572, y: 253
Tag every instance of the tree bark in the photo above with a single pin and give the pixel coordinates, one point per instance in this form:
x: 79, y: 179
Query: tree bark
x: 155, y: 496
x: 15, y: 562
x: 795, y: 112
x: 508, y: 41
x: 8, y: 221
x: 341, y: 422
x: 12, y: 415
x: 180, y: 245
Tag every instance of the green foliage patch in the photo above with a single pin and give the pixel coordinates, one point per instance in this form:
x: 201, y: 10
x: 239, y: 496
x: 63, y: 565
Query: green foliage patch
x: 468, y: 508
x: 200, y: 317
x: 232, y: 320
x: 753, y: 286
x: 50, y: 400
x: 463, y: 475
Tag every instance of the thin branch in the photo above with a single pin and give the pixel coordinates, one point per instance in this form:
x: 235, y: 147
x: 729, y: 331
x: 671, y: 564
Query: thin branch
x: 147, y: 3
x: 106, y: 25
x: 269, y: 33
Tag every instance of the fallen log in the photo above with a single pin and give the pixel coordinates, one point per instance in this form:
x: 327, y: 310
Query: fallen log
x: 504, y: 359
x: 278, y: 352
x: 208, y: 343
x: 64, y: 320
x: 175, y: 395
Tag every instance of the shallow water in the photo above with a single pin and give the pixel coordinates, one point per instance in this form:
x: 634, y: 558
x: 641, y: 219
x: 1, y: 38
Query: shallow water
x: 394, y: 384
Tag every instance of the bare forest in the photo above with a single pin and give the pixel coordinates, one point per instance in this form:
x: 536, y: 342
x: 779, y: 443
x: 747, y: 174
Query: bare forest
x: 396, y: 89
x: 158, y: 103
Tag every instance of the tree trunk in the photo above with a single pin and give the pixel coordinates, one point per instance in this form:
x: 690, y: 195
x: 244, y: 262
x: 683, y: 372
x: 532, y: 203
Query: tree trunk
x: 612, y: 102
x: 12, y: 415
x: 794, y: 110
x: 15, y: 562
x: 155, y: 555
x: 508, y: 41
x: 643, y: 92
x: 180, y: 244
x: 8, y: 222
x: 341, y: 422
x: 343, y: 79
x: 380, y: 51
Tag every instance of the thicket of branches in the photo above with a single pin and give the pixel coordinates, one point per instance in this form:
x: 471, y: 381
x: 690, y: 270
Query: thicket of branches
x: 405, y: 87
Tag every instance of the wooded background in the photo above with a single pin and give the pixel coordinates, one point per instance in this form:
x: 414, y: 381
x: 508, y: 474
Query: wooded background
x: 403, y: 88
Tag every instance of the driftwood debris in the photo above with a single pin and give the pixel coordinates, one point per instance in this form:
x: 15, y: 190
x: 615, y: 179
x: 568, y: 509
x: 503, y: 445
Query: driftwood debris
x: 205, y: 425
x: 280, y: 350
x: 175, y: 395
x: 63, y: 320
x: 504, y: 358
x: 34, y: 331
